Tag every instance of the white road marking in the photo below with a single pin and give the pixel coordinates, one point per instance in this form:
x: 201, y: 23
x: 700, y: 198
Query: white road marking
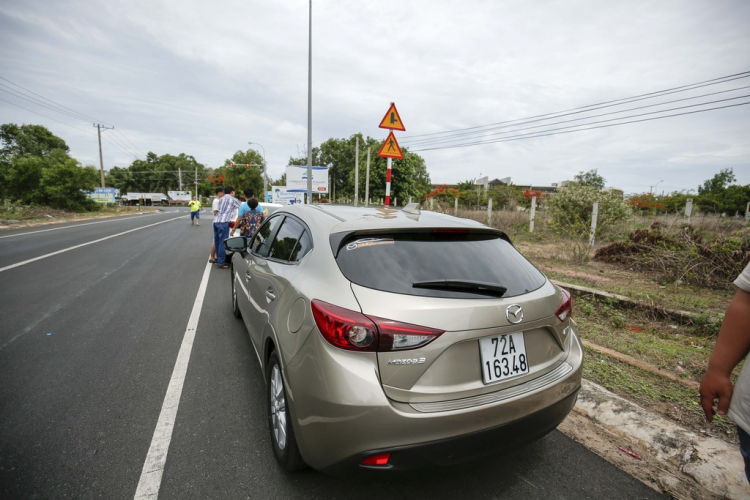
x: 68, y: 227
x: 153, y: 467
x: 81, y: 245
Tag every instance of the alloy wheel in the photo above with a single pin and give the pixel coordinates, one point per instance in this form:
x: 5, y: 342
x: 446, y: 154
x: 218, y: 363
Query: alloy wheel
x: 278, y: 407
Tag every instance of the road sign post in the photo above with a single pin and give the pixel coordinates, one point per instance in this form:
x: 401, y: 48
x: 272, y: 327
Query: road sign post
x: 390, y: 148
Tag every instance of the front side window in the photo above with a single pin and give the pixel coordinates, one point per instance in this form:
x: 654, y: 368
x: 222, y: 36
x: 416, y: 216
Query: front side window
x: 261, y: 243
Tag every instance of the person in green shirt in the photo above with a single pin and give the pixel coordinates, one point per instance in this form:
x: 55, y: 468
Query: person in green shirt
x: 195, y: 214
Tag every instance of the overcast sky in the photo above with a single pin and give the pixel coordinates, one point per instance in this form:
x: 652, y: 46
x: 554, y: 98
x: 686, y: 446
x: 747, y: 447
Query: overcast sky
x: 204, y: 78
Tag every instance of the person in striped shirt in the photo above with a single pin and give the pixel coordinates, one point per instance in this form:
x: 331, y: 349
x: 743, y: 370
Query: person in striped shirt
x: 223, y: 216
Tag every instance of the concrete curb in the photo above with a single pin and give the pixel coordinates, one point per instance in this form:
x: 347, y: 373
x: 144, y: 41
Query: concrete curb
x: 674, y: 460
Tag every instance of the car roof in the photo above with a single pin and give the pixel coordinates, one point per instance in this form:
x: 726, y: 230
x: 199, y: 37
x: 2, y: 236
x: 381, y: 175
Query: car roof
x: 344, y: 218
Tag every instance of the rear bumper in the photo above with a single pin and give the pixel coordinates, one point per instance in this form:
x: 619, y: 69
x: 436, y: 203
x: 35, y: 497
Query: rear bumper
x: 341, y: 414
x: 456, y: 450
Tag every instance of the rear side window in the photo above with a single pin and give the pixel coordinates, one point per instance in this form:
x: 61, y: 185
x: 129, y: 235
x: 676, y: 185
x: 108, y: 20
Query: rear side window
x: 286, y: 240
x: 396, y: 262
x: 303, y: 246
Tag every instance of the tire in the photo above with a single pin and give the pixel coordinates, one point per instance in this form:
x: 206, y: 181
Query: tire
x: 283, y: 442
x: 235, y: 304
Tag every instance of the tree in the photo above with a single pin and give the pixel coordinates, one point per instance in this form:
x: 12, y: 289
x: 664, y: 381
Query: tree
x: 718, y: 194
x: 24, y: 149
x: 590, y: 178
x: 244, y: 171
x: 408, y: 178
x: 718, y: 183
x: 159, y: 174
x: 64, y: 182
x: 571, y: 208
x: 35, y: 168
x: 32, y: 140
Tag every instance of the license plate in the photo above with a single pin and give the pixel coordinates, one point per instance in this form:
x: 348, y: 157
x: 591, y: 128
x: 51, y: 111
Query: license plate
x: 503, y: 357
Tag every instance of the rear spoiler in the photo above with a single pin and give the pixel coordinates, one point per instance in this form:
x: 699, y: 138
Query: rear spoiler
x: 337, y: 240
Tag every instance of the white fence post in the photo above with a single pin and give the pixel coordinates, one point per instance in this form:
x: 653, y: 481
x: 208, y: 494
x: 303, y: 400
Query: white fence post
x: 489, y: 212
x: 455, y: 207
x: 594, y: 217
x: 432, y: 203
x: 532, y: 214
x: 689, y: 209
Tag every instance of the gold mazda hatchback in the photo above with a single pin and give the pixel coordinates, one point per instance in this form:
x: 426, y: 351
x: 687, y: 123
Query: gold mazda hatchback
x: 395, y: 339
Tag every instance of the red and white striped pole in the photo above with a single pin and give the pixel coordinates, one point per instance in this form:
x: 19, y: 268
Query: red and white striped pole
x: 388, y: 183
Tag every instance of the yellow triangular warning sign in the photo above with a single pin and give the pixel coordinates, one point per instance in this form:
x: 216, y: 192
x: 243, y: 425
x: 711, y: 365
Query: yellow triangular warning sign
x: 391, y: 120
x: 390, y: 148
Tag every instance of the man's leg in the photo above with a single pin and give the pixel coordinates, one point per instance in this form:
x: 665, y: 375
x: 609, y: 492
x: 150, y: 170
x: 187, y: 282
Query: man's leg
x: 221, y: 254
x: 214, y: 245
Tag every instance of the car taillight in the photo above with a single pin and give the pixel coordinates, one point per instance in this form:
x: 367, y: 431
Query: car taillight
x: 354, y: 331
x: 565, y: 310
x: 345, y: 328
x: 397, y: 336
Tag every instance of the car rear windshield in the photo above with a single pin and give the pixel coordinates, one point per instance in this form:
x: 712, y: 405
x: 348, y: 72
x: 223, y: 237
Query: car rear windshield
x: 439, y: 264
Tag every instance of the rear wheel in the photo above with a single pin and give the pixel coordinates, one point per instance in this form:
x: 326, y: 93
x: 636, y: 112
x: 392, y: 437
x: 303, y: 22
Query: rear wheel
x: 235, y: 304
x: 279, y: 419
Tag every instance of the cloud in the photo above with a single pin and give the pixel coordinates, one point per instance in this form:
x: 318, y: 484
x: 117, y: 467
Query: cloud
x: 204, y: 79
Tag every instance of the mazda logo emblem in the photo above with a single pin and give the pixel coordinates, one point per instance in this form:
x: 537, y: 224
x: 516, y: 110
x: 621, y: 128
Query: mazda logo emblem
x: 514, y: 314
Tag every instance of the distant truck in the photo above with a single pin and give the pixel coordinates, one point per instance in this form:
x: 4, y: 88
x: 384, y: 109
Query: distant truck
x: 149, y: 199
x: 179, y: 197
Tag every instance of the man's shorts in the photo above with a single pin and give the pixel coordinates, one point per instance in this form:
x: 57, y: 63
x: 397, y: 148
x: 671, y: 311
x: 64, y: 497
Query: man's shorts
x: 195, y: 215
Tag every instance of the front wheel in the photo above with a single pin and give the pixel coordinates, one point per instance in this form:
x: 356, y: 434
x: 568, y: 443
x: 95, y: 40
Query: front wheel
x: 279, y: 419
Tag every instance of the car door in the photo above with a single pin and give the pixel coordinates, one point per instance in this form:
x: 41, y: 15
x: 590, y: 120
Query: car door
x: 274, y: 266
x: 253, y: 280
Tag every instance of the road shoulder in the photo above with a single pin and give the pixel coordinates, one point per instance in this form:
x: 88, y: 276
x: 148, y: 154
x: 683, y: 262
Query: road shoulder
x: 671, y: 459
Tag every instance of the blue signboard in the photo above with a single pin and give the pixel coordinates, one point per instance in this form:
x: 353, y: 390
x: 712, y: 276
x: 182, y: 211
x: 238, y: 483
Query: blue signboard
x: 103, y: 195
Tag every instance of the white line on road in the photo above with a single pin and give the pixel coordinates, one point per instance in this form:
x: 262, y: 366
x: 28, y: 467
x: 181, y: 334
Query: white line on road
x: 153, y: 467
x: 82, y: 245
x: 67, y: 227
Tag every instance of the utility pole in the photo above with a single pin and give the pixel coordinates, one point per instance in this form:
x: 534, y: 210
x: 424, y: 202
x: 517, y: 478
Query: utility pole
x: 99, y: 128
x: 356, y: 173
x: 309, y: 111
x: 367, y: 180
x: 179, y: 171
x: 196, y: 184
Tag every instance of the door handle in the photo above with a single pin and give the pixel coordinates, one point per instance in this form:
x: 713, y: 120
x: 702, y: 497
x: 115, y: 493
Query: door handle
x: 270, y: 295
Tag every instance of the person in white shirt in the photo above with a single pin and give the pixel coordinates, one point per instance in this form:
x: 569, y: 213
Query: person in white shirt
x: 215, y: 209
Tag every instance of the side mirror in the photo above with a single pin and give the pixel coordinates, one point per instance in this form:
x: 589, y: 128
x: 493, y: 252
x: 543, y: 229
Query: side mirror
x: 235, y: 244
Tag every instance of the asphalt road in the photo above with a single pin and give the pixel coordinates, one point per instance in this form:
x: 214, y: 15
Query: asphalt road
x: 92, y: 318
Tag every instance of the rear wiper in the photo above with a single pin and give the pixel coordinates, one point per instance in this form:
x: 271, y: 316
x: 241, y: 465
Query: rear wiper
x: 464, y: 285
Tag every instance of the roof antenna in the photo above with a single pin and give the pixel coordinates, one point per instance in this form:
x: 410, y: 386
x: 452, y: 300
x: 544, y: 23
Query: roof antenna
x: 412, y: 208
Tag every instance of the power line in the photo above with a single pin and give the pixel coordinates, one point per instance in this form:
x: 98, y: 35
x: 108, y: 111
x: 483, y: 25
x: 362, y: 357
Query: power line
x: 601, y: 105
x: 45, y: 116
x: 533, y: 135
x: 120, y: 146
x: 129, y: 141
x: 482, y: 134
x: 86, y: 117
x: 37, y: 102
